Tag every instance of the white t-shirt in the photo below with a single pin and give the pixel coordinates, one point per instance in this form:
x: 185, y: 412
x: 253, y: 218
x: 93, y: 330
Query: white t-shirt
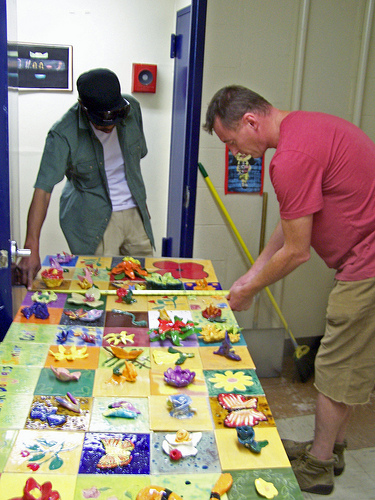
x: 119, y: 191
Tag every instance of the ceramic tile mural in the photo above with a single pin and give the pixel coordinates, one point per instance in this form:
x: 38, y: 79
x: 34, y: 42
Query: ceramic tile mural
x: 110, y: 386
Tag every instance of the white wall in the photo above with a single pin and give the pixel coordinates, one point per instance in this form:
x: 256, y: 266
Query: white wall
x: 256, y: 43
x: 111, y: 34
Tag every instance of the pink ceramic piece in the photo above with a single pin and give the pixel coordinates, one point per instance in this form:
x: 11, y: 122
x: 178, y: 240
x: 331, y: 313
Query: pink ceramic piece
x: 179, y: 377
x: 65, y: 375
x: 239, y: 418
x: 236, y: 401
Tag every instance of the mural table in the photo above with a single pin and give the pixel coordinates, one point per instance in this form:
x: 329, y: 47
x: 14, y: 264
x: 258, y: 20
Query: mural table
x: 67, y: 431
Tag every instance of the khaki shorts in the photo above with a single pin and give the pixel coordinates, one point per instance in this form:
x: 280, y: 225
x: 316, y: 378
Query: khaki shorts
x: 345, y: 363
x: 125, y: 235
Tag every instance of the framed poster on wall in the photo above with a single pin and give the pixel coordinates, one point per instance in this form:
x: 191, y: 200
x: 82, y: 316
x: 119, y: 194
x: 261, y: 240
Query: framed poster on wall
x: 39, y: 67
x: 244, y: 175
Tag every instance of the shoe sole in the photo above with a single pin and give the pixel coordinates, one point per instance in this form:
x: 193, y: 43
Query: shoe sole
x: 320, y: 489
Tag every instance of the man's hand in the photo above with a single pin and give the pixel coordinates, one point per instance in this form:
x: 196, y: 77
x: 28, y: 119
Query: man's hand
x: 29, y: 267
x: 238, y: 299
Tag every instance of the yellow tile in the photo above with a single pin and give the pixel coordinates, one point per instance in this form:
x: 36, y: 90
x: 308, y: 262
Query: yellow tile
x: 159, y: 386
x: 103, y: 386
x: 194, y: 363
x: 211, y: 361
x: 234, y: 456
x: 139, y: 305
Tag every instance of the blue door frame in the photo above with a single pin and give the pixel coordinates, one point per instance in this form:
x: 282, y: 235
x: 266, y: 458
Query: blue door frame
x: 5, y: 246
x: 187, y: 91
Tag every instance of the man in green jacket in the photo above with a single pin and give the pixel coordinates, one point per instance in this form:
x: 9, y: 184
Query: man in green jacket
x: 97, y: 145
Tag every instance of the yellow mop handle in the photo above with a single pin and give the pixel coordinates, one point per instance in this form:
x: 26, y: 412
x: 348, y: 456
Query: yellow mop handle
x: 245, y: 249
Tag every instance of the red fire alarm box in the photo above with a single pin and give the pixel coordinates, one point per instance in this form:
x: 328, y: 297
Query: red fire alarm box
x: 144, y: 78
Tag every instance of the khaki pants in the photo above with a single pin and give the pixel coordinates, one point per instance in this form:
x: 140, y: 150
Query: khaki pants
x: 125, y: 235
x: 345, y: 363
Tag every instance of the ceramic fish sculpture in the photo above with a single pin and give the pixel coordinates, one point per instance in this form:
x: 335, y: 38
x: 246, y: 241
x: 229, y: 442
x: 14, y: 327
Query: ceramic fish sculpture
x: 121, y: 409
x: 65, y: 375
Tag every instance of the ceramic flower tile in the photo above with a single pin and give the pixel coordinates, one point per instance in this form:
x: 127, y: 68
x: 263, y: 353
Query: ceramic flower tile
x: 140, y: 304
x: 50, y: 298
x: 49, y: 385
x: 40, y: 452
x: 99, y: 262
x: 74, y: 315
x: 189, y: 486
x: 55, y: 314
x: 113, y: 486
x: 232, y: 380
x: 163, y: 358
x: 162, y: 420
x: 117, y: 414
x: 79, y: 358
x: 249, y: 412
x: 211, y: 361
x: 169, y: 302
x: 14, y: 409
x: 283, y: 479
x: 23, y: 354
x: 18, y: 379
x: 64, y: 485
x: 126, y: 319
x: 182, y: 269
x: 160, y: 387
x: 227, y: 319
x: 71, y: 262
x: 114, y: 357
x: 106, y: 385
x: 205, y: 460
x: 90, y: 336
x: 115, y: 453
x: 125, y: 337
x: 234, y: 456
x: 48, y: 413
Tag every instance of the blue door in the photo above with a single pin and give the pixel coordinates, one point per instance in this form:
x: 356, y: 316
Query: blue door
x: 5, y: 246
x: 188, y: 51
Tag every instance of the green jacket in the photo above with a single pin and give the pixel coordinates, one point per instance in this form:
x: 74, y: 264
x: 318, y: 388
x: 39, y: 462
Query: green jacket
x: 73, y: 150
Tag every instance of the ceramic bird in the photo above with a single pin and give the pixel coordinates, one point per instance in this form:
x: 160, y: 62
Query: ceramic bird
x: 65, y: 375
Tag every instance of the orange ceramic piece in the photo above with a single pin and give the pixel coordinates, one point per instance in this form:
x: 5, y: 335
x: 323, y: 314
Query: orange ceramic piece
x: 129, y: 374
x: 121, y: 353
x: 222, y: 485
x: 156, y: 493
x: 128, y: 267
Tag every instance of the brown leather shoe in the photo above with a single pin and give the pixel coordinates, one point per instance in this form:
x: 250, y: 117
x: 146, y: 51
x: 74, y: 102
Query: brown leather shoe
x: 314, y: 475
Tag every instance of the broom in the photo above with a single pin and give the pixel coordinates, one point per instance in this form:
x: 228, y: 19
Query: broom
x: 302, y: 356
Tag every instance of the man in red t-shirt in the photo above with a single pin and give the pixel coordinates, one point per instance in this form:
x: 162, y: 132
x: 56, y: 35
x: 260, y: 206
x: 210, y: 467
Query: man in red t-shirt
x: 323, y: 173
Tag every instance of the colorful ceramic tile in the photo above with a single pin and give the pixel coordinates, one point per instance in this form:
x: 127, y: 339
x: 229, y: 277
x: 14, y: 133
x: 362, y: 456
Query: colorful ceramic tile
x: 96, y: 273
x: 53, y: 318
x: 114, y: 357
x: 211, y: 361
x: 106, y: 386
x: 182, y: 269
x: 234, y: 456
x: 14, y: 409
x: 236, y: 381
x: 243, y: 487
x: 125, y: 337
x: 69, y: 321
x: 219, y: 413
x: 101, y: 423
x: 153, y: 316
x: 162, y: 359
x: 49, y: 385
x: 59, y: 302
x: 169, y: 302
x: 47, y: 414
x: 227, y: 319
x: 109, y: 487
x: 202, y: 343
x: 79, y: 335
x: 189, y: 486
x: 31, y: 332
x: 75, y: 286
x: 38, y: 283
x: 126, y: 319
x: 15, y: 483
x: 73, y: 261
x: 23, y: 354
x: 85, y: 358
x: 206, y: 460
x: 161, y: 420
x: 18, y: 379
x: 159, y: 386
x: 198, y: 285
x: 140, y: 304
x: 7, y: 439
x: 99, y: 262
x: 115, y: 453
x: 53, y: 453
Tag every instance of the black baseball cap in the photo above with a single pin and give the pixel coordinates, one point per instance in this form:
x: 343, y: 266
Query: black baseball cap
x: 100, y: 95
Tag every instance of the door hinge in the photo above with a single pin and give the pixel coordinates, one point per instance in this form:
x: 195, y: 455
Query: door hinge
x: 187, y: 197
x: 173, y: 46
